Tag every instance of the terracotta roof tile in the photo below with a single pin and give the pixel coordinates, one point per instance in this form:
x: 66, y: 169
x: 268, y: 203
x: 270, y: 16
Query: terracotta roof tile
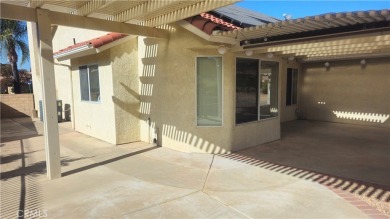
x: 219, y: 21
x: 95, y: 43
x: 208, y: 23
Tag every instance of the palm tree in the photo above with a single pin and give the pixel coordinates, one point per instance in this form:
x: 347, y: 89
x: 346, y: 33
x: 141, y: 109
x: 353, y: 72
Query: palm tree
x: 11, y: 35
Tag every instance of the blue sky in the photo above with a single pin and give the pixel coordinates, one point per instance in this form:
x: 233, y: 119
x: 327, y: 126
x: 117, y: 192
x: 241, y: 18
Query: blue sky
x: 302, y: 8
x: 298, y: 9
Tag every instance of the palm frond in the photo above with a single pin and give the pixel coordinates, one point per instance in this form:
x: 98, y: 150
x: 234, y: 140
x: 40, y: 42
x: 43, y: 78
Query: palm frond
x: 24, y: 49
x: 12, y: 35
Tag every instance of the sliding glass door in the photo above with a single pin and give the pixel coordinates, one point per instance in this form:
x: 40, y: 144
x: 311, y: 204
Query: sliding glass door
x: 256, y: 90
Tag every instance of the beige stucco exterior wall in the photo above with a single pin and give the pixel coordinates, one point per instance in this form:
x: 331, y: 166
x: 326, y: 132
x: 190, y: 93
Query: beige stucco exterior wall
x: 62, y: 38
x: 288, y: 113
x: 96, y: 119
x: 125, y: 82
x: 115, y: 119
x: 347, y: 87
x: 160, y: 85
x: 168, y: 97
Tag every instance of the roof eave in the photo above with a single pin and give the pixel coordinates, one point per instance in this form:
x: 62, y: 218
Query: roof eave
x: 88, y: 50
x: 74, y: 53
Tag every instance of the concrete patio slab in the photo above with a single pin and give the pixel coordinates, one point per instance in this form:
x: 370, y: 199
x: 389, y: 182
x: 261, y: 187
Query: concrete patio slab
x: 262, y: 193
x: 139, y: 180
x: 104, y: 193
x: 194, y: 205
x: 351, y: 151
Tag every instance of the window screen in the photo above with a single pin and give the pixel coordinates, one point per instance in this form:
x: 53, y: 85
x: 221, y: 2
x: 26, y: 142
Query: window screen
x: 84, y: 83
x: 209, y: 91
x: 89, y: 83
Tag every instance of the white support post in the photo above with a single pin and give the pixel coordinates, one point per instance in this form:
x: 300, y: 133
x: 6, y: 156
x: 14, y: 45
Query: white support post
x: 52, y: 144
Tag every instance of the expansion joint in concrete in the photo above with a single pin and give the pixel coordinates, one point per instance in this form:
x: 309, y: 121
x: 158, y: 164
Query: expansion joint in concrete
x: 208, y: 172
x: 157, y: 204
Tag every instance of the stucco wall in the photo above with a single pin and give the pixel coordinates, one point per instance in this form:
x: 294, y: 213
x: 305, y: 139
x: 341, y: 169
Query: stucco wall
x: 62, y: 38
x: 126, y: 96
x: 347, y: 87
x: 168, y: 97
x: 96, y: 119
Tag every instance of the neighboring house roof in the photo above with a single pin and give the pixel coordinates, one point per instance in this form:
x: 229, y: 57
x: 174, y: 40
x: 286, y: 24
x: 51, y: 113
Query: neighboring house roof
x: 89, y: 47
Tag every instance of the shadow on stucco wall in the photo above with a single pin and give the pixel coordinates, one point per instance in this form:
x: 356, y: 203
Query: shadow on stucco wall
x: 168, y: 96
x: 129, y: 107
x: 347, y: 92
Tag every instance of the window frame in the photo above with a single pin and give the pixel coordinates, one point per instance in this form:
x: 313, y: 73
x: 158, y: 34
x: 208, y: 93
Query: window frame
x: 196, y: 90
x: 89, y: 84
x: 259, y: 81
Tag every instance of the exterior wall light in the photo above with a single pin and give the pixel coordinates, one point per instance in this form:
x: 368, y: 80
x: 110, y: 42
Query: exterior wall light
x: 249, y: 52
x: 270, y: 55
x: 222, y: 50
x: 363, y: 62
x: 327, y: 64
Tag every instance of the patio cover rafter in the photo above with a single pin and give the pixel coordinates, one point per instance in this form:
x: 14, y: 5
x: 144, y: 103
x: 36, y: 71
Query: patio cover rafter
x: 152, y: 13
x: 145, y: 9
x: 367, y: 43
x: 186, y: 12
x: 310, y: 23
x: 14, y: 12
x: 91, y: 6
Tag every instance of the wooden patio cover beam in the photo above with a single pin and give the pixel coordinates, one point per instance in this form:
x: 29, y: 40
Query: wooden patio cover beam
x: 14, y: 12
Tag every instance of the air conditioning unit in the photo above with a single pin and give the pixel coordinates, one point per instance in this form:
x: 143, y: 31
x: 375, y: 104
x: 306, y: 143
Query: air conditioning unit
x: 59, y: 110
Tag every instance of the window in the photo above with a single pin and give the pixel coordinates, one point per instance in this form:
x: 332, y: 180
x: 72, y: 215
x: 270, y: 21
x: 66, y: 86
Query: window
x: 89, y: 83
x: 269, y: 89
x: 209, y: 91
x: 247, y: 83
x: 256, y: 90
x: 292, y: 86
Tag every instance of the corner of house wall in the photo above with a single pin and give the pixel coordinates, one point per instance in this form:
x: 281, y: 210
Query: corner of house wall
x: 124, y: 65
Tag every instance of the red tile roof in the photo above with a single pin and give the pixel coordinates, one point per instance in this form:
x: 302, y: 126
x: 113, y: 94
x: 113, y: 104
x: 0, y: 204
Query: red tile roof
x: 96, y: 42
x: 208, y: 23
x: 219, y: 21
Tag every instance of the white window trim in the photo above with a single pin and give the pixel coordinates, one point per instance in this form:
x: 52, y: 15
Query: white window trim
x: 196, y: 91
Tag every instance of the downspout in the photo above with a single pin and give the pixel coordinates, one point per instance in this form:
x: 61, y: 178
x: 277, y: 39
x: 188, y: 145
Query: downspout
x: 73, y: 116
